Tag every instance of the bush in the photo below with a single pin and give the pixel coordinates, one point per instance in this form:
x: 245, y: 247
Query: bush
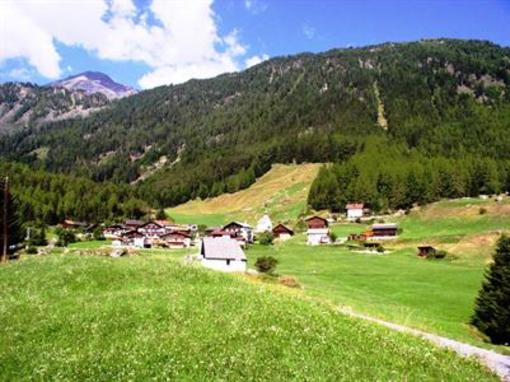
x: 492, y: 311
x: 31, y: 250
x: 438, y: 254
x: 98, y: 234
x: 265, y: 238
x: 38, y: 237
x: 333, y: 236
x: 65, y: 237
x: 380, y: 249
x: 482, y: 211
x: 266, y: 264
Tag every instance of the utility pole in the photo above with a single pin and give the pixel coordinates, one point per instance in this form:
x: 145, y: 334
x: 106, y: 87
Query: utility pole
x: 5, y: 233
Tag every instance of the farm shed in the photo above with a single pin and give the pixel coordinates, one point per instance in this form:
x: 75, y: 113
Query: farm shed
x: 222, y: 254
x: 384, y: 231
x: 282, y: 232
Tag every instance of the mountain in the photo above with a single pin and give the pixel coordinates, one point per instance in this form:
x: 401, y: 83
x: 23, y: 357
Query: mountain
x: 25, y: 104
x: 439, y: 98
x: 95, y: 82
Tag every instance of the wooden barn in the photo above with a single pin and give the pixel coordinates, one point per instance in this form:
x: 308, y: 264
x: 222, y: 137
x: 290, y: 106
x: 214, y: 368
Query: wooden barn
x: 318, y: 231
x: 384, y: 231
x: 316, y: 222
x: 282, y: 232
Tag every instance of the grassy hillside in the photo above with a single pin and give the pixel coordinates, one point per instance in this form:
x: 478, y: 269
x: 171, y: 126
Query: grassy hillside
x: 68, y: 317
x: 281, y: 193
x: 436, y: 296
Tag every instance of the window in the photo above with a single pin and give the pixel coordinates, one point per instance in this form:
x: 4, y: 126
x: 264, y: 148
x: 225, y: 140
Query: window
x: 228, y: 262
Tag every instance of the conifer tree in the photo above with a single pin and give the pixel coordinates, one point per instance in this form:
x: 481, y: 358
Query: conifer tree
x: 14, y: 229
x: 492, y: 311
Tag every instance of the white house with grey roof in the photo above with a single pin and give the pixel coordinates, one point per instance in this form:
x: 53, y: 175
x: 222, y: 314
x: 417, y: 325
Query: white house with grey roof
x: 222, y: 254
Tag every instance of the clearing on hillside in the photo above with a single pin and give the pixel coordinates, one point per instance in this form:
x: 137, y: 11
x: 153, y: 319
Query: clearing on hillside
x: 281, y: 192
x: 148, y: 317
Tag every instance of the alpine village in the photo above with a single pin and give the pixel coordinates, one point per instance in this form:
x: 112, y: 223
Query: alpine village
x: 326, y: 216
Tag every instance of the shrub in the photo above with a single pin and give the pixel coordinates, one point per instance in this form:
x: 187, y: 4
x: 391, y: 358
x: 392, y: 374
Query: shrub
x: 333, y: 236
x: 492, y: 311
x: 65, y: 237
x: 98, y: 234
x: 265, y: 238
x: 380, y: 249
x: 482, y: 211
x: 266, y: 264
x: 31, y: 250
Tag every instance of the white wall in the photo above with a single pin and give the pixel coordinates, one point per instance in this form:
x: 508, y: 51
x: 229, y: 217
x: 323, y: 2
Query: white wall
x: 316, y: 238
x: 221, y: 265
x: 355, y: 213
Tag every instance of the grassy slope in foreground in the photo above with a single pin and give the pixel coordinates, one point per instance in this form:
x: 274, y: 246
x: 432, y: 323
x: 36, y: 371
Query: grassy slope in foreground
x: 94, y: 318
x: 281, y: 192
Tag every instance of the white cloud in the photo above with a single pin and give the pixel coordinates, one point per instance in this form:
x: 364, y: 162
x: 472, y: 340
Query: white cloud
x: 255, y: 6
x: 21, y: 73
x: 184, y: 43
x: 254, y: 60
x: 308, y: 31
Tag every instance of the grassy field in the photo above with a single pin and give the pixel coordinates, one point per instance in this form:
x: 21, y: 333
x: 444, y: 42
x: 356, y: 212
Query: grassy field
x: 69, y: 317
x: 436, y: 296
x: 282, y: 192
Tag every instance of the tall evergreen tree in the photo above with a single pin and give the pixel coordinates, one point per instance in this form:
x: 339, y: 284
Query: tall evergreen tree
x: 14, y: 229
x: 492, y: 312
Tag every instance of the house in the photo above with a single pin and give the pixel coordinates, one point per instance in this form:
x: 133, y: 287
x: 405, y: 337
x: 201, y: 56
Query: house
x: 264, y: 224
x: 426, y: 250
x: 222, y: 254
x: 217, y: 232
x: 383, y: 231
x: 152, y: 230
x: 282, y: 232
x: 176, y: 239
x: 114, y: 231
x: 238, y: 229
x: 135, y: 239
x: 354, y: 211
x: 318, y: 231
x: 73, y: 224
x: 316, y: 222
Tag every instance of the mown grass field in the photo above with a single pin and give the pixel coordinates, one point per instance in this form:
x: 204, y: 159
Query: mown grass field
x: 433, y: 295
x: 69, y: 317
x: 282, y: 191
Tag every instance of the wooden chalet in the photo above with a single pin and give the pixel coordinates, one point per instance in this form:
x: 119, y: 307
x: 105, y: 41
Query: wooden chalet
x: 176, y: 240
x: 152, y: 229
x: 238, y: 229
x: 282, y: 232
x: 384, y: 231
x: 316, y: 222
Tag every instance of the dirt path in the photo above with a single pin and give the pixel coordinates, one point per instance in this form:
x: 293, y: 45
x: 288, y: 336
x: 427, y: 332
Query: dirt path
x: 498, y: 363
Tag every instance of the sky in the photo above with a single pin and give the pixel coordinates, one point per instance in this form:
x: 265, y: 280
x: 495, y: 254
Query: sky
x: 147, y: 43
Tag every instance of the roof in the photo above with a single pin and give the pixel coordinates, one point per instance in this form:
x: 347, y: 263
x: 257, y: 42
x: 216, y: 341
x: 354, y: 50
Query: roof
x: 241, y: 224
x: 385, y: 226
x: 74, y: 222
x: 151, y: 222
x: 285, y: 228
x: 316, y: 217
x: 354, y: 206
x: 264, y: 220
x: 163, y: 222
x: 221, y: 248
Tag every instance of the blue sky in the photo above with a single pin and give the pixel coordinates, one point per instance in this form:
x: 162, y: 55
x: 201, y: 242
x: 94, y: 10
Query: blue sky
x: 146, y: 43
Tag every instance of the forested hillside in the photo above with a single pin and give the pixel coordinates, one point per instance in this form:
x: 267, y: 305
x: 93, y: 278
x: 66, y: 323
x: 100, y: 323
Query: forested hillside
x: 51, y: 198
x: 439, y: 100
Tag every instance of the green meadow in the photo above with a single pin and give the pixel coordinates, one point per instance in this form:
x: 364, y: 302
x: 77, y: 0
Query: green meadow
x: 92, y: 318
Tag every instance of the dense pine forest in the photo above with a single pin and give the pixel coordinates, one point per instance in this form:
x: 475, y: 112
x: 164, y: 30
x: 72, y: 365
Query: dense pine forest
x: 401, y: 123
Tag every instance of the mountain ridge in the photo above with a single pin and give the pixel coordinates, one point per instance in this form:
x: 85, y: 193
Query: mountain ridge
x: 441, y: 97
x: 95, y: 82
